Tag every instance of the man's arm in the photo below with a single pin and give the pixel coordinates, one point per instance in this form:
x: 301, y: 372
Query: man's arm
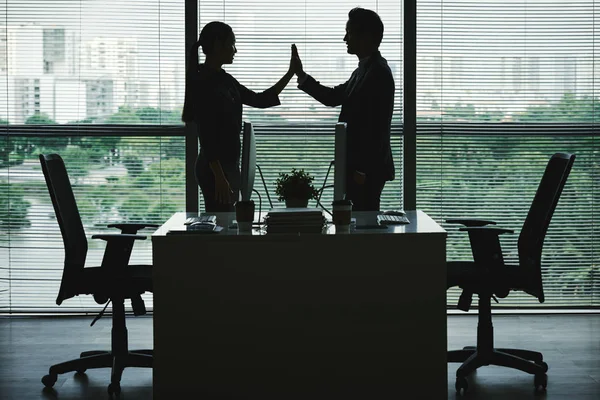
x: 325, y: 95
x: 328, y: 96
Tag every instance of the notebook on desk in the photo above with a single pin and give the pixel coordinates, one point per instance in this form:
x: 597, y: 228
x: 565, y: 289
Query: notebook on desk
x: 189, y: 230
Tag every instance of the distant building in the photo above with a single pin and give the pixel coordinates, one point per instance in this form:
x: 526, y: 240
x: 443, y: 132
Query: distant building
x: 48, y: 69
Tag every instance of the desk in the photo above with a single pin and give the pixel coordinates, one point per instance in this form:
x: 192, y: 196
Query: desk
x: 360, y: 315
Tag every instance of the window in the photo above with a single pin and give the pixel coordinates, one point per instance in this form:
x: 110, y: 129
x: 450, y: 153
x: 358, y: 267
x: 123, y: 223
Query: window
x: 500, y: 87
x: 524, y: 89
x: 101, y: 83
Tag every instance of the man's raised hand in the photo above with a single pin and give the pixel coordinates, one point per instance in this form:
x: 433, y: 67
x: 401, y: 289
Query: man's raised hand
x: 296, y: 63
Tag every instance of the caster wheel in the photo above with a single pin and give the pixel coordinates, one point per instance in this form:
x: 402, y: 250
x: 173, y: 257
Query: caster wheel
x: 49, y: 380
x: 80, y: 371
x: 114, y: 388
x: 461, y: 383
x: 544, y: 366
x: 540, y: 382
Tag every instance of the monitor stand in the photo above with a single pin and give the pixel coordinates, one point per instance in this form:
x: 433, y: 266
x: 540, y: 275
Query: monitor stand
x: 264, y: 184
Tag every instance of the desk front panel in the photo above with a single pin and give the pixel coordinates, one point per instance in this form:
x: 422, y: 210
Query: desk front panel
x: 278, y: 316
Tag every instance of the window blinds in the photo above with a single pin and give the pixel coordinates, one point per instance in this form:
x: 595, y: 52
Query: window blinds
x: 501, y: 86
x: 100, y: 83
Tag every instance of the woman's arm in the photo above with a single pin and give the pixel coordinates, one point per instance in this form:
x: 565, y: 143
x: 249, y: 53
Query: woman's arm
x: 285, y: 79
x: 282, y: 83
x: 223, y: 191
x: 269, y: 97
x: 327, y: 96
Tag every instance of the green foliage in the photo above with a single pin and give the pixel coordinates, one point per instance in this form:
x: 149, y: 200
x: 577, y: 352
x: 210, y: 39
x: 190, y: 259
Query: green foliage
x: 13, y: 207
x: 468, y: 112
x: 150, y: 195
x: 173, y: 147
x: 570, y: 108
x: 157, y: 116
x: 48, y: 144
x: 40, y: 119
x: 134, y: 165
x: 171, y: 170
x: 144, y: 196
x: 14, y: 150
x: 170, y: 146
x: 84, y: 121
x: 125, y: 115
x: 76, y: 162
x: 143, y: 115
x: 296, y: 185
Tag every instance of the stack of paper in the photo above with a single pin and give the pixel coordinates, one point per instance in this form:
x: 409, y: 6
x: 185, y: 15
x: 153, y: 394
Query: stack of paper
x: 295, y: 220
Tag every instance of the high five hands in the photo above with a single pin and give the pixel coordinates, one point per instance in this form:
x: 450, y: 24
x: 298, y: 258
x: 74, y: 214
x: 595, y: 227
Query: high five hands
x: 296, y: 63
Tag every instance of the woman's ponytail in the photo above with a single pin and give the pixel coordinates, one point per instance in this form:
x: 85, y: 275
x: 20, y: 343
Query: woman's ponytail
x: 190, y: 88
x: 193, y: 60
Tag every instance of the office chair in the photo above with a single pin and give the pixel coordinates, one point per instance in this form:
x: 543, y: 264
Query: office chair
x: 115, y: 280
x: 489, y: 277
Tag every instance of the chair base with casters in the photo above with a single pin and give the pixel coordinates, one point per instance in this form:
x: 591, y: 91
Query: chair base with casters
x: 473, y: 357
x: 118, y: 358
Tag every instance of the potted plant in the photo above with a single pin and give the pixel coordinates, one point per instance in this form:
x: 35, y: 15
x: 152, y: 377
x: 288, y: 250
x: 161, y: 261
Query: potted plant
x: 295, y: 188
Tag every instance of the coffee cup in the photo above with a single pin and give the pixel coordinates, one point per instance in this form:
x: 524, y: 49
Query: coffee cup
x: 244, y: 214
x: 342, y: 215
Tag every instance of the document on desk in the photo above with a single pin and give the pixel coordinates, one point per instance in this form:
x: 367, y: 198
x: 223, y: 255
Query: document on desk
x: 187, y: 231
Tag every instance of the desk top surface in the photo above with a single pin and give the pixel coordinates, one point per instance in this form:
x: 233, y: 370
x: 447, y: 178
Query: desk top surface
x: 420, y: 223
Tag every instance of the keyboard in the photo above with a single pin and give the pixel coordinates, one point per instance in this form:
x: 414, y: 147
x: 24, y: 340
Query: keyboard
x: 201, y: 218
x: 384, y: 219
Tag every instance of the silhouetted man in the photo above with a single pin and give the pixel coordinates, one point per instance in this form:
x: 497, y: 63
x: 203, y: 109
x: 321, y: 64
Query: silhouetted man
x: 367, y: 101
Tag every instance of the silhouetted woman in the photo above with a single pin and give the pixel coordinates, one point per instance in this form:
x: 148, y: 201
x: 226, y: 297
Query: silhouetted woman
x: 213, y: 101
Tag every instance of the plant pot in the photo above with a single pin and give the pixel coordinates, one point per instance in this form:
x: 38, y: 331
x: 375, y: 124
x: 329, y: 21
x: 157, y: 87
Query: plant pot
x: 296, y: 202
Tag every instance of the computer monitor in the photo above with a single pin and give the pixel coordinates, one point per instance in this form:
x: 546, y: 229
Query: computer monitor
x: 340, y: 154
x: 248, y: 167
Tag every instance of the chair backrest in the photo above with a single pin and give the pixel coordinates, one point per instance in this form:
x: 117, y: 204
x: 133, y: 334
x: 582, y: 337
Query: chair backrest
x: 69, y: 221
x: 531, y: 238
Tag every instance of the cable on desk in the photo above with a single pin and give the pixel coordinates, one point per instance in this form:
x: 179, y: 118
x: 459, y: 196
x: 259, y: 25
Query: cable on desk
x: 319, y: 201
x: 259, y: 205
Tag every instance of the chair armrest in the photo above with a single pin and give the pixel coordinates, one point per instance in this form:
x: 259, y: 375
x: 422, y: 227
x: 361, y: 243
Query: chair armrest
x: 486, y: 230
x: 470, y: 221
x: 131, y: 227
x: 118, y: 249
x: 485, y: 245
x: 113, y: 236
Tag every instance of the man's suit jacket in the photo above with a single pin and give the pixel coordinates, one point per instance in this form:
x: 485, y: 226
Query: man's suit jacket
x: 367, y: 101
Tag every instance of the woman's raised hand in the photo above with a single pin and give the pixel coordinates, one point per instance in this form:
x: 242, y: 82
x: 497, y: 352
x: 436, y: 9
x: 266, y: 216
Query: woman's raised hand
x: 295, y: 62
